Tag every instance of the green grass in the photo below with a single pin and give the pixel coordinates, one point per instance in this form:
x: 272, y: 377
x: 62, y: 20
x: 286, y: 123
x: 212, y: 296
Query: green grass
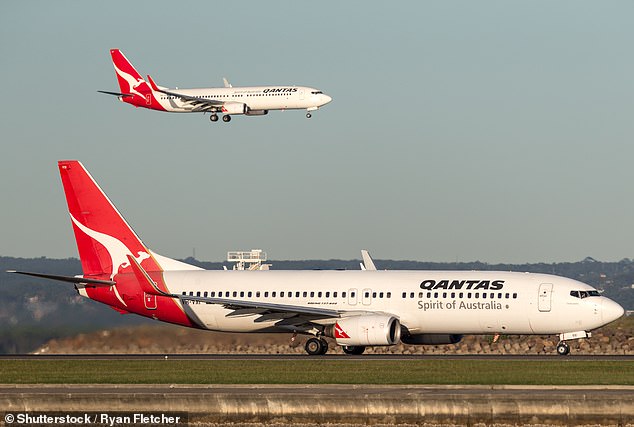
x: 316, y: 372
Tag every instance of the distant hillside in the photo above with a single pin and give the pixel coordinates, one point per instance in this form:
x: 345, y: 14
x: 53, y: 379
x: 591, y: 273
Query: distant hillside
x: 34, y: 311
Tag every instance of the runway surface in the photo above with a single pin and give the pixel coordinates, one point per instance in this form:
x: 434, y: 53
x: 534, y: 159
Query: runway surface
x: 309, y: 389
x: 328, y: 357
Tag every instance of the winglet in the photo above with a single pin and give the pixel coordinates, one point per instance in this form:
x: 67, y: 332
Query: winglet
x: 145, y: 281
x: 152, y: 84
x: 367, y: 260
x: 226, y: 82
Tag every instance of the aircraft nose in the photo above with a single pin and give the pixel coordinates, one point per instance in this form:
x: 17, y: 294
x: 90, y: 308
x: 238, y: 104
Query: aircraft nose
x: 610, y: 311
x: 326, y: 99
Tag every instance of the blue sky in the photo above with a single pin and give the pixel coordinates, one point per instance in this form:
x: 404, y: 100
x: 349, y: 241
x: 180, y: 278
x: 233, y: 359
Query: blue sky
x: 495, y: 131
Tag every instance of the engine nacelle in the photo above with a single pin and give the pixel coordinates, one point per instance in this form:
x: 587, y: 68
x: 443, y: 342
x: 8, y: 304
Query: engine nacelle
x: 235, y: 108
x: 374, y: 329
x: 251, y: 112
x: 431, y: 339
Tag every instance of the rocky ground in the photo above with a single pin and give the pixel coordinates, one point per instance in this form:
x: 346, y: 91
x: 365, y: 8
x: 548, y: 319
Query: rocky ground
x: 617, y: 338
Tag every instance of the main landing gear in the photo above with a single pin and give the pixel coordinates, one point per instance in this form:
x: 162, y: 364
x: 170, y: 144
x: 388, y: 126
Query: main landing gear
x: 316, y: 346
x: 308, y: 115
x: 214, y: 118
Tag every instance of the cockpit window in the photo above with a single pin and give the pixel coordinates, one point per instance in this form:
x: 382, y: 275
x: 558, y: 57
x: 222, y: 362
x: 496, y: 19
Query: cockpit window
x: 584, y: 294
x: 317, y: 92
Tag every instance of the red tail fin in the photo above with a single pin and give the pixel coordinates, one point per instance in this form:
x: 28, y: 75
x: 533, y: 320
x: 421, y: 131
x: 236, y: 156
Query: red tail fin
x: 130, y: 81
x: 104, y: 238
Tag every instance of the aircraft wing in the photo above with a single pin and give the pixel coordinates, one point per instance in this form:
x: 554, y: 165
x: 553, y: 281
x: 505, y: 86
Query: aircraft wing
x: 199, y: 104
x: 242, y: 307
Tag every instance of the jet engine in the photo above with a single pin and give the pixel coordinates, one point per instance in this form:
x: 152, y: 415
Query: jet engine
x: 235, y: 108
x: 374, y: 329
x: 431, y: 339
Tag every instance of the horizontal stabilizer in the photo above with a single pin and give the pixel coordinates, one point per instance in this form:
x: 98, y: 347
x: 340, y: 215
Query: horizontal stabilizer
x: 115, y: 93
x: 69, y: 279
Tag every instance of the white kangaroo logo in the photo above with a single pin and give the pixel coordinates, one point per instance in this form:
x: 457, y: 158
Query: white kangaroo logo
x: 116, y: 250
x: 132, y: 82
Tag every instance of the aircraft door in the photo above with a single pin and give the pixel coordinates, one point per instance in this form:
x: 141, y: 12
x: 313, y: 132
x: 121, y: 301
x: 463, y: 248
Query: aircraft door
x: 544, y: 301
x: 301, y: 95
x: 150, y: 301
x: 352, y: 296
x: 366, y: 297
x: 148, y: 99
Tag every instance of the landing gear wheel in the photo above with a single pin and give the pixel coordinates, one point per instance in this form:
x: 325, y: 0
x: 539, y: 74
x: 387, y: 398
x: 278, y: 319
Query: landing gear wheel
x: 563, y: 348
x: 353, y: 349
x: 308, y: 115
x: 226, y: 118
x: 324, y: 346
x: 213, y: 117
x: 315, y: 346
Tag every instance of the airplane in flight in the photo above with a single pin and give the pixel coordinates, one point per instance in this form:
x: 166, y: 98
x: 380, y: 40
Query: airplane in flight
x: 368, y: 307
x: 228, y: 100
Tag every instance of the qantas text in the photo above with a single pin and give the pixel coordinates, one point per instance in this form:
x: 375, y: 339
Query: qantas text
x: 492, y: 285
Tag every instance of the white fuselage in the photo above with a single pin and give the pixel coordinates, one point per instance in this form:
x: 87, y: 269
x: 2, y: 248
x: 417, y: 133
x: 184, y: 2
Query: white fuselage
x: 456, y: 302
x: 255, y: 97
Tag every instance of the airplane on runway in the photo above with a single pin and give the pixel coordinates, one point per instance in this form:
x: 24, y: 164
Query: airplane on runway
x: 357, y: 309
x: 228, y: 100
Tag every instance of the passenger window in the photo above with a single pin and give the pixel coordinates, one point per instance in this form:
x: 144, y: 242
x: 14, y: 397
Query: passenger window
x: 257, y: 294
x: 507, y: 296
x: 453, y: 295
x: 198, y: 294
x: 184, y: 292
x: 205, y: 294
x: 334, y: 295
x: 273, y: 294
x: 484, y: 294
x: 444, y: 294
x: 367, y: 294
x: 381, y: 295
x: 352, y: 294
x: 420, y: 295
x: 327, y: 294
x: 460, y: 295
x: 282, y: 294
x: 241, y: 294
x: 411, y: 295
x: 476, y: 295
x: 296, y: 294
x: 373, y: 294
x: 435, y: 294
x: 212, y: 294
x: 235, y: 294
x: 312, y: 294
x: 389, y: 295
x: 266, y: 294
x: 500, y: 295
x: 404, y: 294
x: 318, y: 294
x: 343, y: 295
x: 514, y: 296
x: 250, y: 294
x: 305, y: 294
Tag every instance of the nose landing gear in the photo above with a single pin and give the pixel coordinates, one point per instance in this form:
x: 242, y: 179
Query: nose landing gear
x: 563, y: 348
